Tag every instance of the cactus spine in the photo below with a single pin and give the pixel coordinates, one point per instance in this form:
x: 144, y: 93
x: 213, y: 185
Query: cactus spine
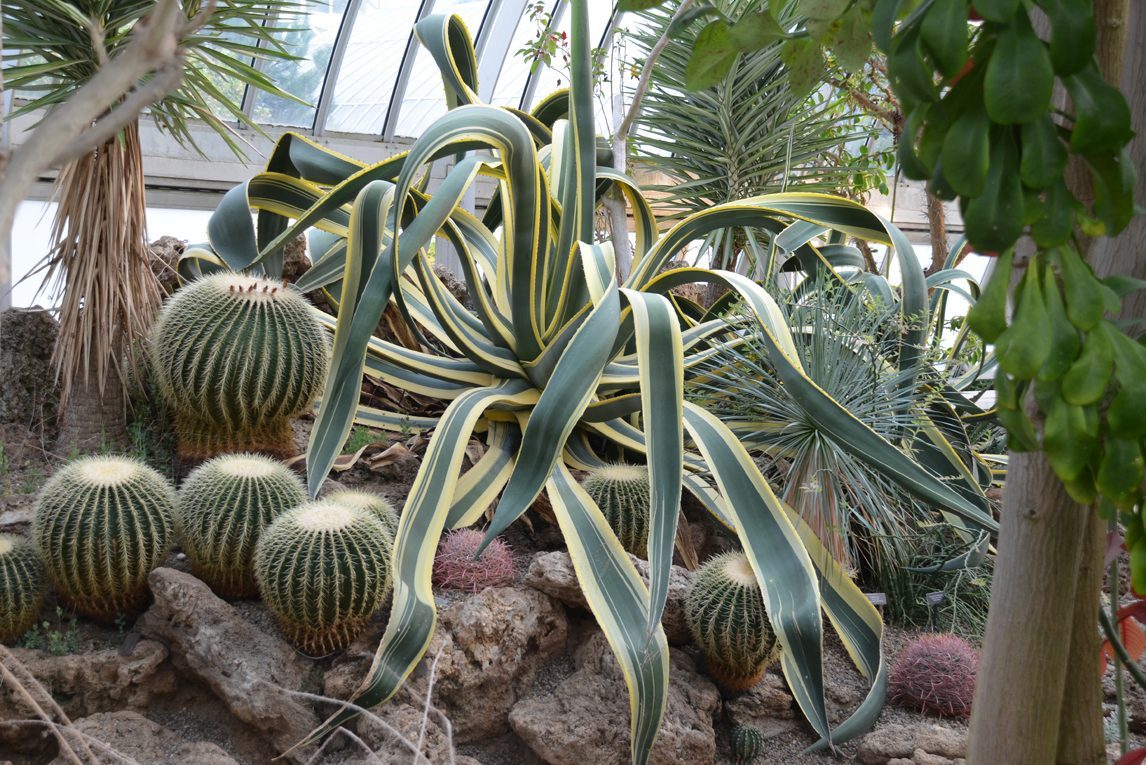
x: 747, y: 744
x: 622, y: 493
x: 373, y: 503
x: 323, y: 568
x: 102, y: 524
x: 725, y: 611
x: 23, y: 587
x: 935, y: 674
x: 223, y: 507
x: 236, y: 357
x: 456, y: 568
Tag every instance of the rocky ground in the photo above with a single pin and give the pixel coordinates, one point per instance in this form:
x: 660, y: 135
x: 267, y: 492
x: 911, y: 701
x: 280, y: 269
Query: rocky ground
x: 516, y: 675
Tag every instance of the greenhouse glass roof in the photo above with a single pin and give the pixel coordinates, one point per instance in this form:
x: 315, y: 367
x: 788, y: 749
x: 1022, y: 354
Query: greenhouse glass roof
x: 362, y: 71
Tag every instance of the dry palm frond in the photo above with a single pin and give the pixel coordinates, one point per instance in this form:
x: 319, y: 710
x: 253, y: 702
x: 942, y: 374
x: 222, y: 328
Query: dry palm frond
x: 100, y: 259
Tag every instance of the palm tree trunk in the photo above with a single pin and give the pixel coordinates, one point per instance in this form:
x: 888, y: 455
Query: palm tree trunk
x: 110, y: 295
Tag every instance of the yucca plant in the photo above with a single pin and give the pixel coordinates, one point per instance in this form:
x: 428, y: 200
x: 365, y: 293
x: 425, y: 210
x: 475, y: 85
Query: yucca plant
x: 559, y: 361
x: 99, y: 254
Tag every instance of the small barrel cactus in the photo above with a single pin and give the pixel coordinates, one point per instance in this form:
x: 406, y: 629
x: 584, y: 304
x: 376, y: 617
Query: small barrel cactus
x: 374, y: 503
x: 747, y: 744
x: 935, y: 674
x: 622, y: 493
x: 725, y: 611
x: 323, y: 568
x: 456, y: 569
x: 236, y: 357
x: 23, y: 587
x: 102, y: 524
x: 223, y: 507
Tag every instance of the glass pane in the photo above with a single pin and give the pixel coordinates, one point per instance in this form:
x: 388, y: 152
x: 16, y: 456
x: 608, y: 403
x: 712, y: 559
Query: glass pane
x: 514, y: 71
x: 370, y: 68
x: 557, y: 76
x: 425, y: 100
x: 313, y: 42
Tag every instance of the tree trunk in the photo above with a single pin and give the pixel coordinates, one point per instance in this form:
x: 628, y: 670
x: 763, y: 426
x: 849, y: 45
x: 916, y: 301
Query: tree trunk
x: 937, y: 230
x: 1038, y: 698
x: 1022, y: 672
x: 92, y: 421
x: 1081, y: 738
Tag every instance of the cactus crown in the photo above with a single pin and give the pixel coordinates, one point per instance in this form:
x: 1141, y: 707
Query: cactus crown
x: 373, y: 503
x: 747, y: 744
x: 102, y: 524
x: 936, y: 674
x: 223, y: 507
x: 622, y: 492
x: 725, y: 611
x: 236, y: 356
x: 23, y: 587
x: 455, y: 567
x: 323, y: 568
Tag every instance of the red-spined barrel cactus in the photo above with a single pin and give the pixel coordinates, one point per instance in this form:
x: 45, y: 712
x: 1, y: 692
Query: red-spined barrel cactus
x: 935, y: 674
x: 236, y: 357
x: 455, y: 567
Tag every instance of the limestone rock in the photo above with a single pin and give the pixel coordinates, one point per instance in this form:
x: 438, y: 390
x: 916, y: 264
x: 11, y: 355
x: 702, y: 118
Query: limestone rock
x: 488, y: 648
x: 585, y: 719
x: 250, y: 670
x: 767, y: 706
x: 133, y: 735
x: 27, y: 337
x: 919, y: 743
x: 85, y: 684
x: 553, y: 574
x: 165, y: 253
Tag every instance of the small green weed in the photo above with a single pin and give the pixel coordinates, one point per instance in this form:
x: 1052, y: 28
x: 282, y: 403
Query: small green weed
x: 33, y: 480
x: 58, y: 640
x: 361, y: 436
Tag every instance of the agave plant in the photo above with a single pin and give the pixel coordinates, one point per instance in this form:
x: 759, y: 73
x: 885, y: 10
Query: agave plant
x: 557, y: 361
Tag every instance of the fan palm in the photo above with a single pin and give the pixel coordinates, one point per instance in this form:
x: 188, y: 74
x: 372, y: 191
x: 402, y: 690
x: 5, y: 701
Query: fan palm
x: 99, y: 254
x: 751, y: 134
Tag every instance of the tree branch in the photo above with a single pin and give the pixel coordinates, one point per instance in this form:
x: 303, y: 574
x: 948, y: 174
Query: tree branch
x: 622, y: 133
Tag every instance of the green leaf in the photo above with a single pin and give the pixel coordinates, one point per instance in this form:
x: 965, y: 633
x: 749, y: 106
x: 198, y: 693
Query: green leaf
x: 754, y: 31
x: 988, y: 316
x: 944, y: 32
x: 1138, y: 566
x: 850, y: 40
x: 1025, y: 345
x: 619, y: 601
x: 1044, y: 156
x: 994, y: 219
x: 1072, y: 34
x: 1021, y: 435
x: 1113, y: 183
x: 1020, y: 79
x: 1102, y: 116
x: 1067, y: 438
x: 1000, y: 11
x: 804, y: 60
x: 712, y: 56
x: 966, y: 153
x: 1085, y: 303
x: 1087, y: 380
x: 1121, y: 471
x: 909, y: 71
x: 1126, y: 415
x: 821, y: 9
x: 1056, y: 222
x: 1064, y: 340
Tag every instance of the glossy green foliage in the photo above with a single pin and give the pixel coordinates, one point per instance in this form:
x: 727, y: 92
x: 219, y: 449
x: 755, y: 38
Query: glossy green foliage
x: 102, y: 524
x: 223, y: 506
